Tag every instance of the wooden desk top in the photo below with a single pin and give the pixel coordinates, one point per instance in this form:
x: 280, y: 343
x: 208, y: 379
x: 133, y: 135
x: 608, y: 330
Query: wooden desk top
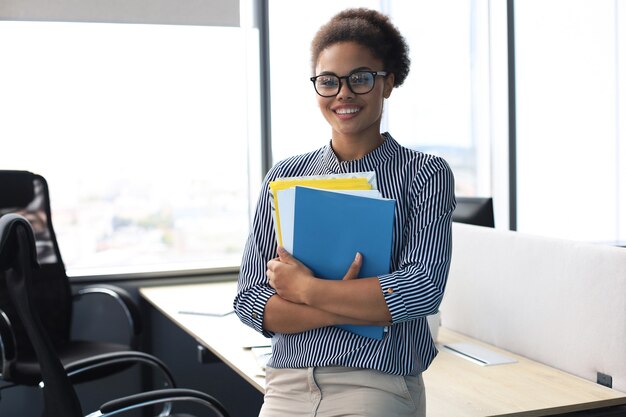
x: 455, y: 386
x: 224, y: 336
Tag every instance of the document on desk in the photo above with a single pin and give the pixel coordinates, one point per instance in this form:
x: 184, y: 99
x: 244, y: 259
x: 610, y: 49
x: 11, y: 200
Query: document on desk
x: 478, y: 354
x: 215, y: 307
x: 262, y: 355
x: 202, y: 312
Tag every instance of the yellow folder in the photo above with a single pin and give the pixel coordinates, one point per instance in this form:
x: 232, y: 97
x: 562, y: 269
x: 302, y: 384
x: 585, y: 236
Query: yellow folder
x: 352, y: 181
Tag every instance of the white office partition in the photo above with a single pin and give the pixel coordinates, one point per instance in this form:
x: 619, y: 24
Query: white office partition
x: 558, y: 302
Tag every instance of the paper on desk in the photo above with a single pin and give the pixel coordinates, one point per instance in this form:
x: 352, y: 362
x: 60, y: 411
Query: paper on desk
x: 478, y: 354
x: 211, y: 306
x: 201, y: 312
x: 262, y: 355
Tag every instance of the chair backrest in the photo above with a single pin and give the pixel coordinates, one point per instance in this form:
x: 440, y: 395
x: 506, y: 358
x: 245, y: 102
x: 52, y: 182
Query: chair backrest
x: 26, y: 194
x: 18, y: 261
x: 474, y: 210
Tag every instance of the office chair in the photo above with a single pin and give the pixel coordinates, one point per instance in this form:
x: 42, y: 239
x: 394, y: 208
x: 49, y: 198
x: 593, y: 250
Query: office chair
x: 18, y: 261
x: 474, y: 210
x: 27, y: 194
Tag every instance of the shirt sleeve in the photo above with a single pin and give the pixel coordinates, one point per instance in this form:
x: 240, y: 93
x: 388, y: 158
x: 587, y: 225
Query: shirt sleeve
x: 253, y: 289
x: 415, y: 289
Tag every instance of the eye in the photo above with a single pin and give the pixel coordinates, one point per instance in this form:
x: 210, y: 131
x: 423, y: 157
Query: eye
x: 360, y: 78
x: 327, y: 81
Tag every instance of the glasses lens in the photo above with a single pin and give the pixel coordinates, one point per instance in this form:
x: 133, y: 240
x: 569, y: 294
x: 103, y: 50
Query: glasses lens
x: 361, y: 82
x: 327, y: 85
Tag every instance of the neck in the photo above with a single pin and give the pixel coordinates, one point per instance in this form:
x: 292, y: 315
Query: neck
x: 350, y: 148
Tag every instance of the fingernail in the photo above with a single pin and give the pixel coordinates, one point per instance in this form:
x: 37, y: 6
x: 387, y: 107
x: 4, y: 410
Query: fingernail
x: 358, y: 256
x: 280, y: 250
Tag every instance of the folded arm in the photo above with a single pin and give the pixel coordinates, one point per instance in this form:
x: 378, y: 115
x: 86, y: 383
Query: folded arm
x: 304, y: 302
x: 282, y: 316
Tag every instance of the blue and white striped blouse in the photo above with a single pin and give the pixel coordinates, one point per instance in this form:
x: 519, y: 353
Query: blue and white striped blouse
x: 423, y: 187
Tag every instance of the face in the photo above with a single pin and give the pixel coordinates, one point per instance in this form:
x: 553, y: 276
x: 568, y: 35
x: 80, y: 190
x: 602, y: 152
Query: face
x: 350, y: 114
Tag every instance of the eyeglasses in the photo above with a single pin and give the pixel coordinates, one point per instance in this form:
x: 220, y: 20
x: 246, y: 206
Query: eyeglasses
x: 359, y: 82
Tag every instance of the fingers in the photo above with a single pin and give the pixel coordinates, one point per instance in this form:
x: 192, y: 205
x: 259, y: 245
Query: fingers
x: 272, y: 264
x: 355, y: 267
x: 286, y: 257
x: 277, y: 267
x: 283, y: 255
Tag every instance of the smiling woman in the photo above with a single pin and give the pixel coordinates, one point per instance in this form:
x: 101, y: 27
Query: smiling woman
x: 281, y: 297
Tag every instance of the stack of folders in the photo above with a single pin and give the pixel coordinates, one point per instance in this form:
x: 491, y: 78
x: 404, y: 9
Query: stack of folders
x: 325, y: 221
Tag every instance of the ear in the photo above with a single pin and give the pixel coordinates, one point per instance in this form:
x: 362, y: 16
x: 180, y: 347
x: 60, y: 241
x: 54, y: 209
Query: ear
x: 390, y: 80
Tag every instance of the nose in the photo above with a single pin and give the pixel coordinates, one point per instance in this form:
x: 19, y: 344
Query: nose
x: 344, y: 91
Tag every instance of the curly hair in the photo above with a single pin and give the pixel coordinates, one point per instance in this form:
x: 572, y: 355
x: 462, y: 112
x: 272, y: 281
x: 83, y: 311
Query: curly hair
x: 370, y: 29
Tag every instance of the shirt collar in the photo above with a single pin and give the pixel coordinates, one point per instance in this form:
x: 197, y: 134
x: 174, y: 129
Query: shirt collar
x: 370, y: 161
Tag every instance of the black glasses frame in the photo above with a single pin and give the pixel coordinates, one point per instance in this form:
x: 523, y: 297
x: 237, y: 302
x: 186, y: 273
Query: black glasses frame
x: 347, y: 78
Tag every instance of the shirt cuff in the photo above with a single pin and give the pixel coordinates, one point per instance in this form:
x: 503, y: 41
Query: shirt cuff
x: 258, y: 310
x: 393, y: 297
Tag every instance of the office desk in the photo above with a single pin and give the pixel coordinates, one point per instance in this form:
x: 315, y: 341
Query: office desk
x: 454, y: 386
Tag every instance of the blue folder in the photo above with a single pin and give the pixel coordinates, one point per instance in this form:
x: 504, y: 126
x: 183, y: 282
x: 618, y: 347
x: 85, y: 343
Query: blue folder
x: 329, y: 228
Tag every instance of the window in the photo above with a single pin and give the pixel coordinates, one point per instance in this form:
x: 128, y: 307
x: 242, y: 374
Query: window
x: 142, y: 133
x: 570, y: 120
x: 297, y: 125
x: 442, y: 108
x: 149, y: 132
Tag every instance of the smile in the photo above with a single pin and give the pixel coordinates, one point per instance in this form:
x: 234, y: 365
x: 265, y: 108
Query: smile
x: 348, y: 110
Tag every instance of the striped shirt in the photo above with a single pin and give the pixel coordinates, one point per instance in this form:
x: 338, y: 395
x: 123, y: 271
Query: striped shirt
x: 423, y: 187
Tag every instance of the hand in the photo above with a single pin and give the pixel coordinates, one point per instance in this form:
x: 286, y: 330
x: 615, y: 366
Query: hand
x: 289, y: 277
x: 355, y: 267
x: 292, y: 280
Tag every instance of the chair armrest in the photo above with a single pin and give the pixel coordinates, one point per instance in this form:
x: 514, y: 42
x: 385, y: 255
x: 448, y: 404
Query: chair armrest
x: 74, y: 369
x: 7, y: 343
x: 163, y: 396
x: 124, y: 300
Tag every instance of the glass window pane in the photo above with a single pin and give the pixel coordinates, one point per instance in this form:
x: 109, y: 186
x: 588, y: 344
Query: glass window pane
x: 294, y: 106
x: 141, y: 131
x: 443, y: 106
x: 567, y: 125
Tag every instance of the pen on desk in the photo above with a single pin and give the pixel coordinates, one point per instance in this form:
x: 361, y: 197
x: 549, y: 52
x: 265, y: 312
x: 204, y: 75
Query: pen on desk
x: 204, y: 313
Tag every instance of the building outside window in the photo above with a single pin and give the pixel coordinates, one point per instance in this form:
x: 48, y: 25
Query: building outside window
x: 142, y: 133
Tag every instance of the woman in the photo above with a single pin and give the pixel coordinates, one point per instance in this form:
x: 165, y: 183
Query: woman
x: 317, y: 369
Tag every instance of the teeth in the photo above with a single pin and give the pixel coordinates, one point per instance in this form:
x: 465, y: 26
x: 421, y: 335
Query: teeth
x: 347, y: 111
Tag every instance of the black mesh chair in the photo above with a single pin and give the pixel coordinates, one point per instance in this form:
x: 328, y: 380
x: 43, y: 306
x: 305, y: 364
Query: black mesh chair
x: 18, y: 262
x: 26, y: 194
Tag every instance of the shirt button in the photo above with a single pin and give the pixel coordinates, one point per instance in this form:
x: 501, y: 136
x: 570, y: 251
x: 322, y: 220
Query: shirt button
x: 254, y: 316
x: 389, y: 290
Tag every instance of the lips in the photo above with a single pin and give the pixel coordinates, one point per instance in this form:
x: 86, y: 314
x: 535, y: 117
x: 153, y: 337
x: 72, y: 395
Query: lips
x: 347, y: 111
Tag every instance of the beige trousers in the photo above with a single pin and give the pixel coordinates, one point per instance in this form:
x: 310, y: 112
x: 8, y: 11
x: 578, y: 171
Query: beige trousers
x: 342, y: 392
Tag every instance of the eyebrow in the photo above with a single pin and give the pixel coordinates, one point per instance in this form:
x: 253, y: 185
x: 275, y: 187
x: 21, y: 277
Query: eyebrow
x: 351, y: 71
